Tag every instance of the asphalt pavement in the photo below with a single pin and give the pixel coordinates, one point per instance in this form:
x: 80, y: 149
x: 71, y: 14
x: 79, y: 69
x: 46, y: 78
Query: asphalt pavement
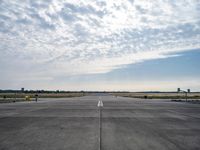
x: 125, y: 124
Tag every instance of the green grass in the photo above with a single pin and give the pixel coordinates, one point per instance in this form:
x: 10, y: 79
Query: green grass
x: 16, y: 97
x: 158, y: 95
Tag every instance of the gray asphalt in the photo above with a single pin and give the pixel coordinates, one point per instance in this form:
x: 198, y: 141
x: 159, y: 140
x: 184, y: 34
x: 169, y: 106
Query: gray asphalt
x: 126, y: 124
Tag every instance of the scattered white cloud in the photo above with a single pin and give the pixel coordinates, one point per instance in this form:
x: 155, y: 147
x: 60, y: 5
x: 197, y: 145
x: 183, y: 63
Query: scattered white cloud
x: 53, y: 37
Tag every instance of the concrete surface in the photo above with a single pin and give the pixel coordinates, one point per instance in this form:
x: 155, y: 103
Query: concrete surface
x: 73, y: 124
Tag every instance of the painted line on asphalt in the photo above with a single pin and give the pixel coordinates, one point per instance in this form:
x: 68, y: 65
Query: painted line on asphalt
x: 100, y: 105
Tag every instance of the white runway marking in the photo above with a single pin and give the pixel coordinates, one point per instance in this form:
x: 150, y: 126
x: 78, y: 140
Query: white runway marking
x: 100, y: 103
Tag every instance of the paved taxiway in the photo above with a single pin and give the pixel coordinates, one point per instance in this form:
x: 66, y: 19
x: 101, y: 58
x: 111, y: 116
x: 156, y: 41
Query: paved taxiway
x: 126, y: 124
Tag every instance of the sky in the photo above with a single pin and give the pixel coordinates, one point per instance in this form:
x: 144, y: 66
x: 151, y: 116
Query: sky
x: 127, y: 45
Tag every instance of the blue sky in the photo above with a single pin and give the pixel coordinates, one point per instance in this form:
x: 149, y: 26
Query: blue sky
x: 100, y: 44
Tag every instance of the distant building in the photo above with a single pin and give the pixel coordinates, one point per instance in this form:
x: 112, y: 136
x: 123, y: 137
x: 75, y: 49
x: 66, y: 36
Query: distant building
x: 22, y: 89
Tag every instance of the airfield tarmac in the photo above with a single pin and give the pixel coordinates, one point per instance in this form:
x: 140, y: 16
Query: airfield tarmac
x: 74, y: 124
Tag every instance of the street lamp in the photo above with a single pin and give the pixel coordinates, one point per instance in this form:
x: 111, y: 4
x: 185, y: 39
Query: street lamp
x: 186, y: 92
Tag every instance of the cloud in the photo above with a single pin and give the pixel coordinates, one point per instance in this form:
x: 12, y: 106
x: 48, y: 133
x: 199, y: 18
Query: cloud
x: 64, y: 37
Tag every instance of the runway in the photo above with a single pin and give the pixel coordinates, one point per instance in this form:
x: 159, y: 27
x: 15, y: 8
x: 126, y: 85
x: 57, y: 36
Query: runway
x: 126, y: 124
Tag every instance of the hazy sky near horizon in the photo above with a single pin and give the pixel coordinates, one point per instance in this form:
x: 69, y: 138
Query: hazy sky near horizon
x: 100, y: 44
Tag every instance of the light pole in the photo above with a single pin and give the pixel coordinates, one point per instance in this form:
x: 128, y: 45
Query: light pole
x: 186, y: 92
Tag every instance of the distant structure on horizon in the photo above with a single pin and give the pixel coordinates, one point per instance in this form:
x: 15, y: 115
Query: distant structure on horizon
x: 179, y: 90
x: 22, y: 89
